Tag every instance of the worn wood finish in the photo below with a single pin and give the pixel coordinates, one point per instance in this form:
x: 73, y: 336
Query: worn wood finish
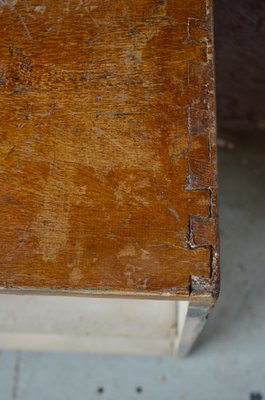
x: 108, y: 163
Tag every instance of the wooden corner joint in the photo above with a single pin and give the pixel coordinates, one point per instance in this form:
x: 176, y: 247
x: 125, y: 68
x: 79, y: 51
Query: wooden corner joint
x: 203, y: 233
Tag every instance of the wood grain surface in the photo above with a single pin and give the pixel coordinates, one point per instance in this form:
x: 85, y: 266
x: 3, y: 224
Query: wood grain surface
x: 107, y: 147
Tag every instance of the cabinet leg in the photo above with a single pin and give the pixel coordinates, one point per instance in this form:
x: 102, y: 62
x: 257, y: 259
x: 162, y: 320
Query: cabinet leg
x: 192, y: 316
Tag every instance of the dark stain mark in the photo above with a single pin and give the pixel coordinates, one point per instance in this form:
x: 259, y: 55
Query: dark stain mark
x: 26, y: 66
x: 133, y: 32
x: 106, y: 75
x: 255, y: 396
x: 48, y: 30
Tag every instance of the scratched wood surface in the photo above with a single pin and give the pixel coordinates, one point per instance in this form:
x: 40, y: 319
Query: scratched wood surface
x: 107, y: 147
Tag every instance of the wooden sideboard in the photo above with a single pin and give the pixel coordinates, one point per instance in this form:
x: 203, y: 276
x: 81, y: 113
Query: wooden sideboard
x: 108, y: 152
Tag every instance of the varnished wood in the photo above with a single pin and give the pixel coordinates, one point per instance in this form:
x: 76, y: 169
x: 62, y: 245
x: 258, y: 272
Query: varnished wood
x: 108, y: 162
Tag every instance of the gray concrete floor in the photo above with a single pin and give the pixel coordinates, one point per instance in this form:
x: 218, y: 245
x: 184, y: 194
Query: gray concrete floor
x: 228, y: 361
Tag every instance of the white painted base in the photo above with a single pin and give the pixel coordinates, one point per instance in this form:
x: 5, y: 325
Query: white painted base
x: 118, y: 326
x: 84, y: 324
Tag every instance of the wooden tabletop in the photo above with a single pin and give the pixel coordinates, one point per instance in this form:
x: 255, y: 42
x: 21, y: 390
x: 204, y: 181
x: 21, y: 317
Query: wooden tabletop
x: 107, y: 148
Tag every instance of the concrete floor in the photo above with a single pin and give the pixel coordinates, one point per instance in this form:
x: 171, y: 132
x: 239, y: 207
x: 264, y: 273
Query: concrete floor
x: 228, y: 361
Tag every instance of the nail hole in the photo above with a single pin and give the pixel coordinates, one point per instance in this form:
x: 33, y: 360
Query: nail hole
x: 139, y: 389
x: 100, y: 390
